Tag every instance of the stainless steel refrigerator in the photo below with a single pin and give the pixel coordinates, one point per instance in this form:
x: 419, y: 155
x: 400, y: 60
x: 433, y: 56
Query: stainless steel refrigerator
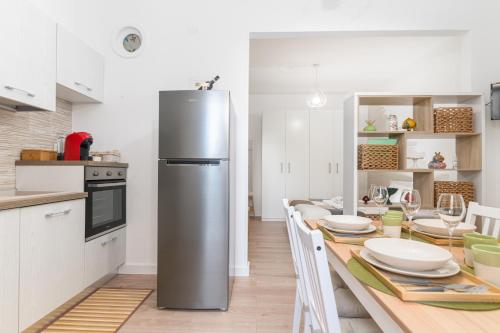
x: 194, y: 229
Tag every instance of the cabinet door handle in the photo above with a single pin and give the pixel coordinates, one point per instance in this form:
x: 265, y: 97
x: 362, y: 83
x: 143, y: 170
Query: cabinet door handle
x: 29, y: 94
x: 79, y: 84
x: 329, y: 167
x: 61, y: 213
x: 114, y: 239
x: 104, y: 243
x: 337, y: 165
x: 281, y: 167
x: 289, y: 168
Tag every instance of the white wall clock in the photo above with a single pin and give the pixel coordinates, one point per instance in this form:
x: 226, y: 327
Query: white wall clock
x: 128, y: 42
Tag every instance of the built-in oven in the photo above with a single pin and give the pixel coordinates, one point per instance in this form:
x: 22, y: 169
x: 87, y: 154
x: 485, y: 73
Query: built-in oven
x: 106, y: 202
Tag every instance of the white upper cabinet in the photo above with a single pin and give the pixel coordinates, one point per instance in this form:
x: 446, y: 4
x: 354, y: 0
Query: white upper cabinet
x: 80, y: 70
x: 28, y: 58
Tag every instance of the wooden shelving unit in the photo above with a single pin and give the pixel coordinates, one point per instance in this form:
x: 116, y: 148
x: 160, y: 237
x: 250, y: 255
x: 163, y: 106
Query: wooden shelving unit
x: 468, y: 147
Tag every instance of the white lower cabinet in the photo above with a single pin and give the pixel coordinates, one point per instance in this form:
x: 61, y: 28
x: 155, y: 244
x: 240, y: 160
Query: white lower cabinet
x: 44, y: 260
x: 9, y: 270
x: 51, y: 258
x: 104, y: 255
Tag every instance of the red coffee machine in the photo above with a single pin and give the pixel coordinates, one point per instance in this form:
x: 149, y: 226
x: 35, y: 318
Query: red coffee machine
x: 77, y: 146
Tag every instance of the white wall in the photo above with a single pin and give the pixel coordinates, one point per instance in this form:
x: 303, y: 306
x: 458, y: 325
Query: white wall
x: 351, y: 62
x: 255, y: 164
x: 187, y: 40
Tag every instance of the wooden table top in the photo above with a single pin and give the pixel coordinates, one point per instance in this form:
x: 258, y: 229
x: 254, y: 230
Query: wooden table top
x: 415, y: 317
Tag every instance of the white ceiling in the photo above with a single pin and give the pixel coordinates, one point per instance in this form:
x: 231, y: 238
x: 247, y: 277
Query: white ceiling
x: 352, y: 62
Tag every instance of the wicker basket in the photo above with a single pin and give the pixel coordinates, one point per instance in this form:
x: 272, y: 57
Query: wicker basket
x: 383, y: 157
x: 453, y: 119
x: 466, y: 189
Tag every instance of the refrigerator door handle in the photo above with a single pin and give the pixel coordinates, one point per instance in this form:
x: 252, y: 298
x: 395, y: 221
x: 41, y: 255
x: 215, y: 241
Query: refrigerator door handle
x: 215, y: 163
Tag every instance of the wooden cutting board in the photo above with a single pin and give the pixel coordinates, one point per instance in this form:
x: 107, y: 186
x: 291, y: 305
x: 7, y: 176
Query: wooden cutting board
x: 38, y: 155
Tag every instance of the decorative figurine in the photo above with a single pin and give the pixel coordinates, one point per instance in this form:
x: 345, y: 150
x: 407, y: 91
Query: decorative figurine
x: 370, y: 127
x: 366, y: 199
x: 393, y: 122
x: 409, y: 124
x: 437, y: 161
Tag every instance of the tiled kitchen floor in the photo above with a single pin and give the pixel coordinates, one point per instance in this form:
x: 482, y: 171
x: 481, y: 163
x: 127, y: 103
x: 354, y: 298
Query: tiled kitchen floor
x: 261, y: 303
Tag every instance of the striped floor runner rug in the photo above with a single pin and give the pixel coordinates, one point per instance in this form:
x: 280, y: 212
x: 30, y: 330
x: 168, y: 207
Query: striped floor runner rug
x: 106, y: 310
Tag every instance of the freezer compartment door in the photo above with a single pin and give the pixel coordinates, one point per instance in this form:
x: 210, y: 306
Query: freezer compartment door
x: 194, y: 124
x: 193, y: 235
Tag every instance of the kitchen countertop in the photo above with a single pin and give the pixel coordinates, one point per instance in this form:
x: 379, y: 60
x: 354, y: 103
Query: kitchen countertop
x: 84, y: 163
x: 10, y: 199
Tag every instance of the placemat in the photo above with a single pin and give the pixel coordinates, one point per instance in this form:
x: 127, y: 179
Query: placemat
x: 369, y: 279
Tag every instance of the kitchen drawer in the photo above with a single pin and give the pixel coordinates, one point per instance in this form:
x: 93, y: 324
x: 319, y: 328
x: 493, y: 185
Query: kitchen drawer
x: 104, y: 255
x: 51, y: 270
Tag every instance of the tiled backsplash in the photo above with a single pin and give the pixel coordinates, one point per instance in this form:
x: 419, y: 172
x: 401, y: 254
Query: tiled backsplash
x: 37, y: 129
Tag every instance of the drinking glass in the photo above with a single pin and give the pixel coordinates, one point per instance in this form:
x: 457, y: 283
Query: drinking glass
x: 380, y: 195
x: 370, y: 191
x: 451, y: 210
x: 410, y: 203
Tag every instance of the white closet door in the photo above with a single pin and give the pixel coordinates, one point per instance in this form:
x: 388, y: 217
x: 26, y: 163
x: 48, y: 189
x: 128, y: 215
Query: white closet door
x: 321, y: 162
x: 297, y: 154
x: 338, y: 143
x: 273, y: 164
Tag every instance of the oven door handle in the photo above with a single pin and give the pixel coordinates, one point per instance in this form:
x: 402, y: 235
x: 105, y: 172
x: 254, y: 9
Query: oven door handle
x: 107, y: 184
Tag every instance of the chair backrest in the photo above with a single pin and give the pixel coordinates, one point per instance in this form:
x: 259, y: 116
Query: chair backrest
x: 294, y: 246
x: 292, y: 235
x: 318, y: 284
x: 490, y: 218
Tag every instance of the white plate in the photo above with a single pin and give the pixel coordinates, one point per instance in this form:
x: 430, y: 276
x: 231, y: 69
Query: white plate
x: 416, y: 228
x: 438, y: 227
x: 408, y: 254
x: 347, y: 222
x: 451, y: 268
x: 371, y: 228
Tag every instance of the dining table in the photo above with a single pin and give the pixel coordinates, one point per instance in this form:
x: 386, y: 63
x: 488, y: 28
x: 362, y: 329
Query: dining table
x: 394, y: 315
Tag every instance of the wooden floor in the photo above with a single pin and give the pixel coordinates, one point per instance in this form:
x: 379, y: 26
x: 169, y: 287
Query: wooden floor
x: 261, y: 303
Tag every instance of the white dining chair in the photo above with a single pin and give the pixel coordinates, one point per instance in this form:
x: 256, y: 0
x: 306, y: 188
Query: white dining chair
x: 490, y: 217
x: 314, y: 270
x: 350, y: 306
x: 301, y: 305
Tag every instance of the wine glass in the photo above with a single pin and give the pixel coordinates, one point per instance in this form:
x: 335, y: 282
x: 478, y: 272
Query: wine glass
x: 380, y: 195
x: 370, y: 192
x: 451, y: 210
x: 410, y: 203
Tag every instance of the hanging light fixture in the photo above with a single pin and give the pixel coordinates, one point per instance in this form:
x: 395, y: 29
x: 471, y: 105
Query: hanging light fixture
x: 317, y: 98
